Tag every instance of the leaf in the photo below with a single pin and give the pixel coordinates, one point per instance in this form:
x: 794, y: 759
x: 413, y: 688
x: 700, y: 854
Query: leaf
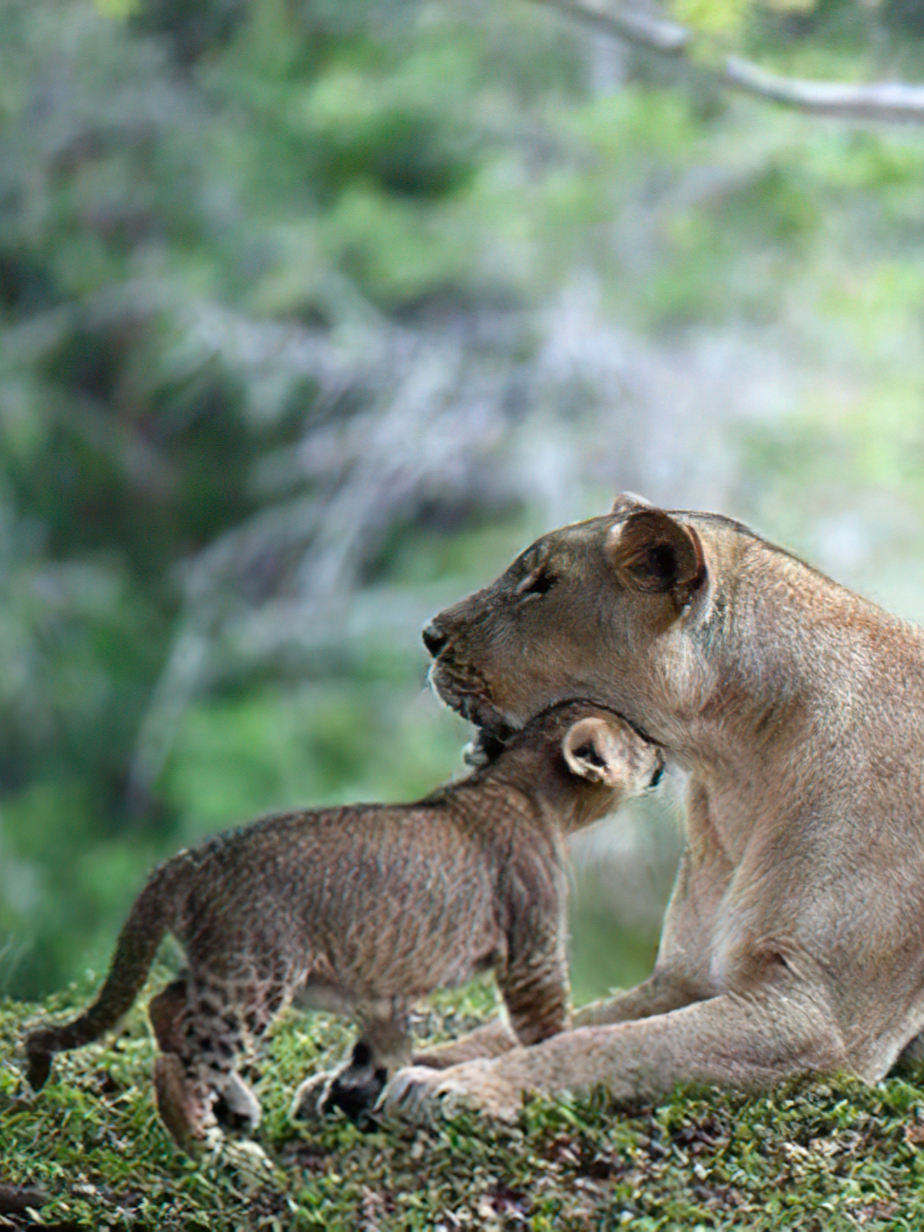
x: 118, y: 9
x: 714, y: 17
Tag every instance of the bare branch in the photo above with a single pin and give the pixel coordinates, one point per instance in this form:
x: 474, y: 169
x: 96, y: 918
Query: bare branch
x: 632, y: 25
x: 882, y: 101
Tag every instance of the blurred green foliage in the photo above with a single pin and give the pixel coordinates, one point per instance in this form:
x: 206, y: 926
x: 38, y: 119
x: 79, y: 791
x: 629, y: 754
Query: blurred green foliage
x: 338, y: 170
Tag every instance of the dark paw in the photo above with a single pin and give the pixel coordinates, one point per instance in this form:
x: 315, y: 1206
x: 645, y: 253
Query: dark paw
x: 228, y: 1117
x: 236, y: 1107
x: 355, y: 1091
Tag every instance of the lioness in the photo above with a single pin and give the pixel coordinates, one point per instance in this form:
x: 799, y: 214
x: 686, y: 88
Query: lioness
x: 794, y: 939
x: 364, y: 909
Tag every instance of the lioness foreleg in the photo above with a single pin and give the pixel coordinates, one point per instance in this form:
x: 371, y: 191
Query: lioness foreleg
x: 491, y: 1040
x: 659, y: 994
x: 745, y: 1041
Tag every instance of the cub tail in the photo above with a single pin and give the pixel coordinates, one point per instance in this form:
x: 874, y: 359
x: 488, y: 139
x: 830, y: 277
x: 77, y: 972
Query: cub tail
x: 141, y: 934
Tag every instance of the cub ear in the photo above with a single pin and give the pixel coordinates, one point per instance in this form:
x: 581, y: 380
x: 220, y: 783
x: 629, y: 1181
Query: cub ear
x: 654, y: 553
x: 593, y: 750
x: 630, y: 500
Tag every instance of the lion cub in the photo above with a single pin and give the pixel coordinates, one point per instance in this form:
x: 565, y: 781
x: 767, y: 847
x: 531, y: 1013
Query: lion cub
x: 364, y: 909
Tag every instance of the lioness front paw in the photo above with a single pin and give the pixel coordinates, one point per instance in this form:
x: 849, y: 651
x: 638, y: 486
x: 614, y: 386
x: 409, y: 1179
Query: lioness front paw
x: 418, y: 1093
x: 411, y: 1094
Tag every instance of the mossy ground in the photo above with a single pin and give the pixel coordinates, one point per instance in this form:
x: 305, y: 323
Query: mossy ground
x: 820, y: 1156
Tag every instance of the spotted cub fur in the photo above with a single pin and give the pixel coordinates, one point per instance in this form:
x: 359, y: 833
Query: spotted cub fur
x: 363, y: 910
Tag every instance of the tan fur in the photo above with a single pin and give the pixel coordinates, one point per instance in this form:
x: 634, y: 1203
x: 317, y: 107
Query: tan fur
x: 794, y: 939
x: 363, y: 910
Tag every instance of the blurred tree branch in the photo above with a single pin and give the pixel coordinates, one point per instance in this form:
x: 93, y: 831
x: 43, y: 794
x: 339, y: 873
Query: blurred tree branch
x: 886, y: 101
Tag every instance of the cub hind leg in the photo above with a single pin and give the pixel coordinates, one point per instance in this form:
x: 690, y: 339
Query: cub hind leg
x: 166, y: 1014
x: 182, y: 1108
x: 202, y: 1026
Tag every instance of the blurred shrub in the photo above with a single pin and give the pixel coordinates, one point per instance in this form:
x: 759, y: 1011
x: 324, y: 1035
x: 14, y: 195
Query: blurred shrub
x: 313, y: 313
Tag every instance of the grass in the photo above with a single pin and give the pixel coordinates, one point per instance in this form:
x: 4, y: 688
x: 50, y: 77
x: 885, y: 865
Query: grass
x: 826, y: 1156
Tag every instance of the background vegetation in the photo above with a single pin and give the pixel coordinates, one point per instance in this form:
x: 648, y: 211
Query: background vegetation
x: 314, y: 312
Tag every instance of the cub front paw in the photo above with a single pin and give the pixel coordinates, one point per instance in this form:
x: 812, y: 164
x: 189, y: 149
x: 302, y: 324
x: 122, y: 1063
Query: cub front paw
x: 308, y: 1101
x: 353, y: 1088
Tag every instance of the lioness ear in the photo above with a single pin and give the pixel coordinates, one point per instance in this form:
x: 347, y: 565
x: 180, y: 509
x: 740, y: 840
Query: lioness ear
x: 656, y: 554
x: 593, y: 751
x: 630, y: 500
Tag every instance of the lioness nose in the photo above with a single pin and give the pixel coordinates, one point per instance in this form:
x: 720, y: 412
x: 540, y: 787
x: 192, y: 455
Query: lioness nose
x: 433, y: 639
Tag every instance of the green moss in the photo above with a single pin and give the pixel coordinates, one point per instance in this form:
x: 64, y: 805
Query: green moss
x: 810, y: 1156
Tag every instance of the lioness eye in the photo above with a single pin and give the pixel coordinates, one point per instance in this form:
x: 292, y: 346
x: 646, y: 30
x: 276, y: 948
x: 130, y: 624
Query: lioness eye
x: 539, y: 582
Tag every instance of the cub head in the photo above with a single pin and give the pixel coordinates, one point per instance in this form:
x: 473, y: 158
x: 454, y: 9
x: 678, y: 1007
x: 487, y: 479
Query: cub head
x: 583, y: 612
x: 581, y: 760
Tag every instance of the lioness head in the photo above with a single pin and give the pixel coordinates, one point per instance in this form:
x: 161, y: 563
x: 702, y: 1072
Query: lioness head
x: 587, y: 611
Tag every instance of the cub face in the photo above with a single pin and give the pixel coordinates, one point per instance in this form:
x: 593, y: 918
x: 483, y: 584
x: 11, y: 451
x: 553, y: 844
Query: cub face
x: 581, y: 613
x: 580, y: 759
